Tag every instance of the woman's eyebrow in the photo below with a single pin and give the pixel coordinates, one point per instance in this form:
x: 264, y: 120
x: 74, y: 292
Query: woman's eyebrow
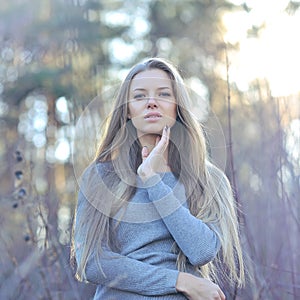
x: 159, y: 88
x: 139, y: 89
x: 164, y: 87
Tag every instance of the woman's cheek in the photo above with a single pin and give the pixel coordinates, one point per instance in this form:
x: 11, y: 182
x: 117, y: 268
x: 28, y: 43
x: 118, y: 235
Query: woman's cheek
x: 136, y: 121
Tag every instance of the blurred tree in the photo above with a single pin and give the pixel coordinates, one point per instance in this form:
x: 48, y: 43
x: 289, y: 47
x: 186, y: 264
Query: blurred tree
x: 49, y: 71
x: 292, y: 7
x: 267, y: 185
x: 52, y: 50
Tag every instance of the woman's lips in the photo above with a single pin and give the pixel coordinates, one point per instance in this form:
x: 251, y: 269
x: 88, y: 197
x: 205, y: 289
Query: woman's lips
x: 152, y: 116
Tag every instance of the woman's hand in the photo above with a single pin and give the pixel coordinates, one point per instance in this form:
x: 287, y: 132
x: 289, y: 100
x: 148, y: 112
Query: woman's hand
x: 195, y: 288
x: 154, y: 161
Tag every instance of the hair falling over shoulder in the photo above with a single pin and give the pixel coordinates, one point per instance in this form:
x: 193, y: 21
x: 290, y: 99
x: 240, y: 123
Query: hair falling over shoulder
x: 209, y: 193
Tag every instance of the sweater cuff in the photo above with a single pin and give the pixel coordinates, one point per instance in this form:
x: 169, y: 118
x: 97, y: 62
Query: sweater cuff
x: 171, y: 279
x: 150, y: 182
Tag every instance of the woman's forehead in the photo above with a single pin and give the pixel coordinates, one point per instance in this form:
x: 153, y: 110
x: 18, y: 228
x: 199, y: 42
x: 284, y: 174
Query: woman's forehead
x: 151, y: 78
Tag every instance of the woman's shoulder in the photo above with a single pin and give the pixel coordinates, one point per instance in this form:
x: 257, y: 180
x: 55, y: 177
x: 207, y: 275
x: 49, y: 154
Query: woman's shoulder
x: 104, y: 167
x: 95, y: 171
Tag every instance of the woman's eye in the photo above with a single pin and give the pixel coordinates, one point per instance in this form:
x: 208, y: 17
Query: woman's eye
x: 165, y: 94
x: 139, y: 96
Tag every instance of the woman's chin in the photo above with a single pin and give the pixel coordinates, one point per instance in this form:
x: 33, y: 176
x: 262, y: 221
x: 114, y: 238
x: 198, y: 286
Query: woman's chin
x: 150, y: 132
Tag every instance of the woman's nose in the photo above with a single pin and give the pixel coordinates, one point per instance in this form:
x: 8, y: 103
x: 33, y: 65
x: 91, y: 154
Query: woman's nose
x: 151, y: 103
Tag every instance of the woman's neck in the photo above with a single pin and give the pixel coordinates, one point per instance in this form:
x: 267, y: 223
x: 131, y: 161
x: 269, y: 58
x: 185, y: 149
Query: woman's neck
x: 148, y: 140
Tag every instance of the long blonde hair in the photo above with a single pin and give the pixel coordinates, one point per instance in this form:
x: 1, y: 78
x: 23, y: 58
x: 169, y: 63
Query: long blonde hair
x: 209, y: 193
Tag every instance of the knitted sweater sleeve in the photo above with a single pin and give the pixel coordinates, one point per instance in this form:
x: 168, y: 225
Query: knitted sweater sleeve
x: 121, y: 272
x: 197, y: 240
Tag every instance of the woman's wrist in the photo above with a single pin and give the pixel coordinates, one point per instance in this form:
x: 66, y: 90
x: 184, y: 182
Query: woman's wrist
x: 181, y: 282
x: 145, y: 176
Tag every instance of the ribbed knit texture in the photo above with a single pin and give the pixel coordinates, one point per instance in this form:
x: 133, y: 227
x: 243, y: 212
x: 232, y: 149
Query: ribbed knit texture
x: 145, y: 265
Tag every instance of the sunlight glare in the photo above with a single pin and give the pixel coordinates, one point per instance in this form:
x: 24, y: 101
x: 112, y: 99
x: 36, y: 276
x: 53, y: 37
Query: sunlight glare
x: 273, y: 55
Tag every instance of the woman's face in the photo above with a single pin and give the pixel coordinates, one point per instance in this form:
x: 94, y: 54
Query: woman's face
x: 152, y: 104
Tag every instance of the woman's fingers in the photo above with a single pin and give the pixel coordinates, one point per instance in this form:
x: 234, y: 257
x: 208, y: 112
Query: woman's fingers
x: 162, y: 142
x: 222, y: 295
x: 165, y: 137
x: 145, y: 152
x: 166, y: 133
x: 157, y: 140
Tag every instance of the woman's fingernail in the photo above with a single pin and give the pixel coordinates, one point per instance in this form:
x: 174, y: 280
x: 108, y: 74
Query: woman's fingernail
x: 144, y: 151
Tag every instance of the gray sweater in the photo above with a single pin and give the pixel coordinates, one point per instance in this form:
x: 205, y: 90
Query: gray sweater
x: 155, y: 220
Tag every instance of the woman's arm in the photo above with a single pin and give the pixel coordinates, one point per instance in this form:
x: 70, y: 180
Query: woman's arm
x: 196, y: 239
x: 121, y: 272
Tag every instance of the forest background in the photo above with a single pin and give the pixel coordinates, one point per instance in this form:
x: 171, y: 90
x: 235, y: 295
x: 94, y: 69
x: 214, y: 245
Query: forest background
x: 56, y: 56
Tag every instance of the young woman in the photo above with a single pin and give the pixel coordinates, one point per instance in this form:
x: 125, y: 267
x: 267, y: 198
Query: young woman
x: 155, y: 219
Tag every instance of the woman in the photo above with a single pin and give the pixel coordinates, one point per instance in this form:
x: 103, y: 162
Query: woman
x: 155, y: 219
